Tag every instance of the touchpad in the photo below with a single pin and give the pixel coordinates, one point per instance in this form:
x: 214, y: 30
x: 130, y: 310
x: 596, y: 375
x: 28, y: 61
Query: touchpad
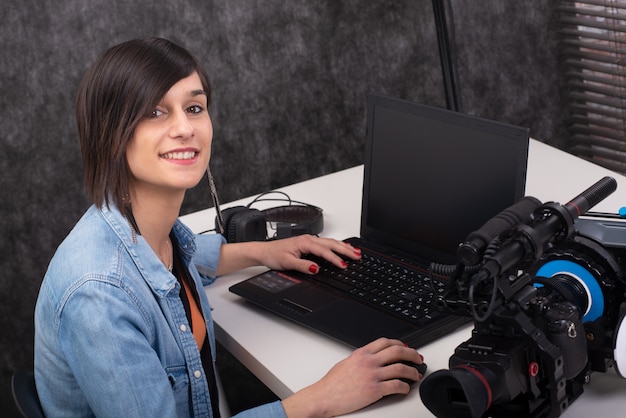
x: 310, y: 299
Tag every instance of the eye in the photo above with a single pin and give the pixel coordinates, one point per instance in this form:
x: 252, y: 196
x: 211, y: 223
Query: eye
x: 195, y: 109
x: 155, y: 114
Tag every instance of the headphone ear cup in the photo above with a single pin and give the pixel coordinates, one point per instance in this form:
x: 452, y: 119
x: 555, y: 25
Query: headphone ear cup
x: 295, y: 220
x: 242, y: 224
x: 227, y: 217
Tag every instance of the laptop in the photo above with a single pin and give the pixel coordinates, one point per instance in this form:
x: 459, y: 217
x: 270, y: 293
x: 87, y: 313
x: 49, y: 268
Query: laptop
x: 431, y: 177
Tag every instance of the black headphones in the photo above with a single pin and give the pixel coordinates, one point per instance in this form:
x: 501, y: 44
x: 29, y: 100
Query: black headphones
x: 244, y: 223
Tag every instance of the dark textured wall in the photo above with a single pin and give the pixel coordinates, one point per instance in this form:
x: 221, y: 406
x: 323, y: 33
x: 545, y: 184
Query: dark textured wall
x: 290, y: 80
x: 508, y: 64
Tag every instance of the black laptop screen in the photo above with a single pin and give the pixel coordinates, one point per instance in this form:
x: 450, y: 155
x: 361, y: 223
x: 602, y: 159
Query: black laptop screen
x: 432, y: 176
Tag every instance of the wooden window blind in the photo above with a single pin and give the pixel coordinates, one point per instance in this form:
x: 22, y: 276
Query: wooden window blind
x: 592, y: 46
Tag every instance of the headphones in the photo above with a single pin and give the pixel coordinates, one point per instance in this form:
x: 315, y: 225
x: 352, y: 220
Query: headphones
x: 244, y: 223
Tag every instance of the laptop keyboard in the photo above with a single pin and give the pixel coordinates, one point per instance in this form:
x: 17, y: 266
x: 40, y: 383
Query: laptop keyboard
x: 399, y: 289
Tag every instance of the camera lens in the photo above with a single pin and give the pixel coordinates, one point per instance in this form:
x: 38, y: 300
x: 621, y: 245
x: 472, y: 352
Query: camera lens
x: 578, y: 283
x: 462, y: 391
x: 575, y: 291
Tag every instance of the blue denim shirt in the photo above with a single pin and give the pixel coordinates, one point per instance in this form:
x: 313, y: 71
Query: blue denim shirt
x: 111, y: 335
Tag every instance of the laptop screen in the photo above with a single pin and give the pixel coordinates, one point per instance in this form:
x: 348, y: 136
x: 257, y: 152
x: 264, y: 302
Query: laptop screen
x: 432, y: 176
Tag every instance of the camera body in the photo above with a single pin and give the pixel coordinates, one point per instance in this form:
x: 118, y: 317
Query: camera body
x: 541, y: 326
x: 526, y: 359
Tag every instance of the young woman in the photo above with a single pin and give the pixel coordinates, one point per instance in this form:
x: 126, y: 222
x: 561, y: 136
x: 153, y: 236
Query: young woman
x: 123, y: 326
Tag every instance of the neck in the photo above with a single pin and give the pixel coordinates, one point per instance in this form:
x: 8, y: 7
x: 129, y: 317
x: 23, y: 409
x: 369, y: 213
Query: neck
x: 155, y: 216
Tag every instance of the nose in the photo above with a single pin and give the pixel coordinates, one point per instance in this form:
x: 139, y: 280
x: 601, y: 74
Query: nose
x: 181, y: 126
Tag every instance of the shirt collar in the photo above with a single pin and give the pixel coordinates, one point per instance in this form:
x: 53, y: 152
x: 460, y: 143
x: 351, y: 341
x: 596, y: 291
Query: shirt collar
x: 148, y: 264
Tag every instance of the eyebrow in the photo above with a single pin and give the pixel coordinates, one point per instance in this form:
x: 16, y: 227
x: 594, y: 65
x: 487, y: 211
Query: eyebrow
x: 195, y: 93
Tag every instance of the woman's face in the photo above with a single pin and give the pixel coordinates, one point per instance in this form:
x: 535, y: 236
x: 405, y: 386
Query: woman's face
x: 171, y: 147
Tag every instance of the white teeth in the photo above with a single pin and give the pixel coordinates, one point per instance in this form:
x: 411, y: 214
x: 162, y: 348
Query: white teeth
x: 187, y: 155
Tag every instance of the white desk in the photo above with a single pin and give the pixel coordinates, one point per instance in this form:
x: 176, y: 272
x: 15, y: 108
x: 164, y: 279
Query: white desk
x: 288, y: 357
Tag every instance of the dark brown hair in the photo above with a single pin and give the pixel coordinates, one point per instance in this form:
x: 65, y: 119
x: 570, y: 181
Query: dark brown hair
x: 123, y: 86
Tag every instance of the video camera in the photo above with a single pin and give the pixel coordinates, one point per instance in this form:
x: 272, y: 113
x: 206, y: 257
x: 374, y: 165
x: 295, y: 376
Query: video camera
x: 547, y: 293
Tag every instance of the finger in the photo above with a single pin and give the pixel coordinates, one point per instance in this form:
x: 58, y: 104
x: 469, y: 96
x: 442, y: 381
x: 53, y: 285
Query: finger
x: 323, y: 245
x: 381, y: 344
x: 333, y: 251
x: 347, y: 250
x: 396, y: 353
x: 302, y: 265
x: 400, y: 371
x: 394, y: 387
x: 399, y: 354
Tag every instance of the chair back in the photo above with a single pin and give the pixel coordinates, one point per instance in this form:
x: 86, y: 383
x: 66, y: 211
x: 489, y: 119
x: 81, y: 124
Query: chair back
x: 25, y: 394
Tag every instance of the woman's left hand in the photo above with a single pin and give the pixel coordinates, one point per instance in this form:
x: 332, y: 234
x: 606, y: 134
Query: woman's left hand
x: 286, y: 254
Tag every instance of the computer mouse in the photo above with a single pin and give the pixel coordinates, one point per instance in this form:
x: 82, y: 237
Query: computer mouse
x: 419, y: 367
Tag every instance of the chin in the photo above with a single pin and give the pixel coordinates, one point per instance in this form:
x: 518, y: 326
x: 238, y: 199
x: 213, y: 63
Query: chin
x: 190, y: 183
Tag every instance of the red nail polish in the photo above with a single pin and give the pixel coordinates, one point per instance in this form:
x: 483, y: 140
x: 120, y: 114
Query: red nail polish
x: 344, y: 264
x: 313, y: 268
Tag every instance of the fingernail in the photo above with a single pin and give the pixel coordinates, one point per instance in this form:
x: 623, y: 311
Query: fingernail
x: 357, y: 251
x: 422, y: 358
x: 405, y: 344
x: 313, y: 268
x: 344, y: 264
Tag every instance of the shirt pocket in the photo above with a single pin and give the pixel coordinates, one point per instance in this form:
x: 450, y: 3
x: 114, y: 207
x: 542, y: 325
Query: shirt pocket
x: 179, y: 381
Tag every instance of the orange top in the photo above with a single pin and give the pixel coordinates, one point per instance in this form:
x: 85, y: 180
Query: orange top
x: 198, y: 327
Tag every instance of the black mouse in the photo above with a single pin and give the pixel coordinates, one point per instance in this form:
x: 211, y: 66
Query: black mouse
x: 419, y: 367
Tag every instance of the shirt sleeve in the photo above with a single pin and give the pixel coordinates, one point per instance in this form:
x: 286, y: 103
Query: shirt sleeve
x: 270, y: 410
x: 207, y: 256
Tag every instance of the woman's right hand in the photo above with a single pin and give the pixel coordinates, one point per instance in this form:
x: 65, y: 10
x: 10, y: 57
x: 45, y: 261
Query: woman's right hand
x: 366, y: 376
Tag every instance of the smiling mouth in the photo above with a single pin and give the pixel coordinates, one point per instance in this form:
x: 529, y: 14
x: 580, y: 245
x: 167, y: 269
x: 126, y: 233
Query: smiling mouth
x: 185, y: 155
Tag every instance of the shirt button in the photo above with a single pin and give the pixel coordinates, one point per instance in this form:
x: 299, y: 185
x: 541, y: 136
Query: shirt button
x: 183, y: 328
x: 197, y: 374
